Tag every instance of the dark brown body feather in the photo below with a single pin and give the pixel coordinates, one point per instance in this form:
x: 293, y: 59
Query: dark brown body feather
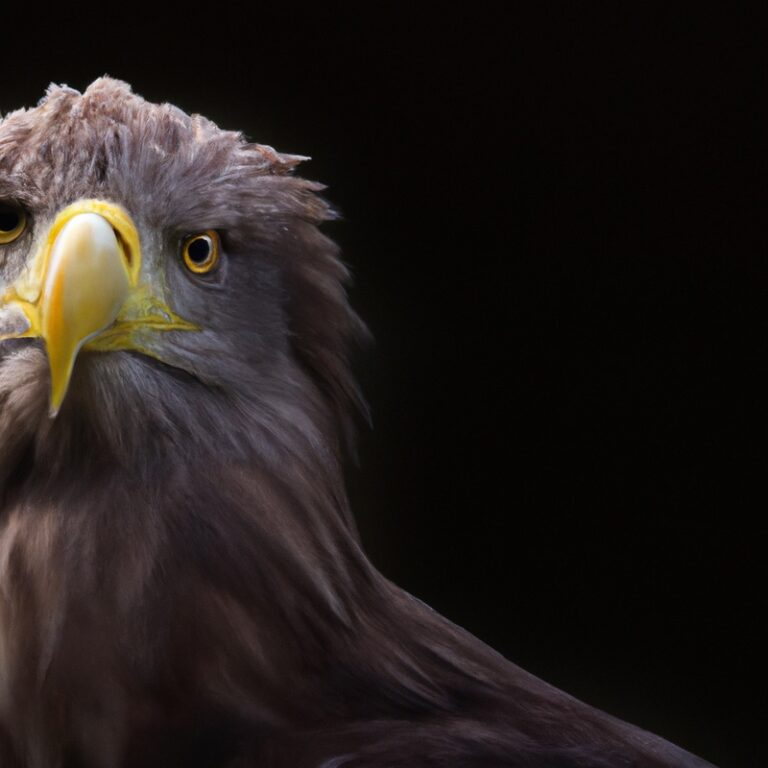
x: 180, y: 581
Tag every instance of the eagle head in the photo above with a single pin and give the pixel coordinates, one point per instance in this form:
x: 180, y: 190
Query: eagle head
x: 161, y: 281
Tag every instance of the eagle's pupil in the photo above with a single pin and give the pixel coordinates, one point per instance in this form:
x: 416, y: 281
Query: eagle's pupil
x: 9, y: 220
x: 199, y: 250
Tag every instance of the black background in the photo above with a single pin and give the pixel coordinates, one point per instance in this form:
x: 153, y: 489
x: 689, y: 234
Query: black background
x: 554, y: 226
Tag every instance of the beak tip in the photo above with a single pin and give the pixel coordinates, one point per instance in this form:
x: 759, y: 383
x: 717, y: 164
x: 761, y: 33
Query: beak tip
x: 54, y: 406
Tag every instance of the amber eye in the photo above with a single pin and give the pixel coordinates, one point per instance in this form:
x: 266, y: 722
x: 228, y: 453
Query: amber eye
x: 201, y: 251
x: 13, y: 221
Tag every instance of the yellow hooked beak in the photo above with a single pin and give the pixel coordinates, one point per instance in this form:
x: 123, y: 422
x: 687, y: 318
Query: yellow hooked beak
x: 83, y: 288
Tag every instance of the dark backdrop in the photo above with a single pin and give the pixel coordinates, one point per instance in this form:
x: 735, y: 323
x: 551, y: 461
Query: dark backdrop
x: 553, y: 223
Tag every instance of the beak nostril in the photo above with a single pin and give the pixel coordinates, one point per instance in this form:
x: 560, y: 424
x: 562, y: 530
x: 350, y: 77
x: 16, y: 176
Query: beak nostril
x: 124, y: 247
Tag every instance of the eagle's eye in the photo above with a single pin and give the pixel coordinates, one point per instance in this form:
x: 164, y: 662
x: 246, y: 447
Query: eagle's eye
x: 201, y: 251
x: 13, y: 221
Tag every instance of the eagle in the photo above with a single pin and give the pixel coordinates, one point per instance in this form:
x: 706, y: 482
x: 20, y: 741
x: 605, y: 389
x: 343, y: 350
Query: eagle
x: 181, y: 580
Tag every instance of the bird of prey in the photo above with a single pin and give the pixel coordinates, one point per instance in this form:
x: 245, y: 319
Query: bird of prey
x: 181, y: 582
